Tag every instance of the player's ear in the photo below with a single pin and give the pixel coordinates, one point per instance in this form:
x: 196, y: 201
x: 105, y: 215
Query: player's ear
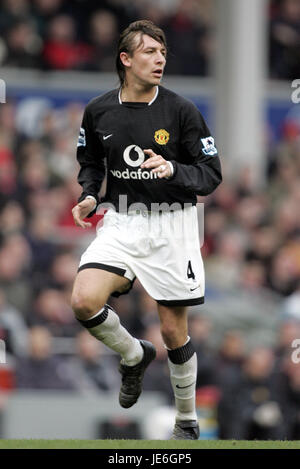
x: 125, y: 59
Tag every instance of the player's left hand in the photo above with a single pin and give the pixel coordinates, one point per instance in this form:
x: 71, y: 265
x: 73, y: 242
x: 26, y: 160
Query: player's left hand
x: 158, y: 163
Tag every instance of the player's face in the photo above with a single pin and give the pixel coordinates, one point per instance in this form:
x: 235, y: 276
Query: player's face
x: 148, y: 61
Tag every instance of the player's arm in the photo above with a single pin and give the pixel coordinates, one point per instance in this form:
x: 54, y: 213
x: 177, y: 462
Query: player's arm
x: 91, y: 173
x: 202, y: 173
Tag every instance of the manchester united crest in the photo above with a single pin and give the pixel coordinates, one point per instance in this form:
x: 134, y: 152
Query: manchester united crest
x: 161, y: 136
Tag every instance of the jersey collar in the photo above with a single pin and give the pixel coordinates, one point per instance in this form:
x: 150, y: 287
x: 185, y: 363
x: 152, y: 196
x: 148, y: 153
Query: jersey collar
x: 149, y: 104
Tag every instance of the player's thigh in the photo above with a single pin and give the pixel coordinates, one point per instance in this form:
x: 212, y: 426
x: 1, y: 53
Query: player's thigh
x: 92, y: 288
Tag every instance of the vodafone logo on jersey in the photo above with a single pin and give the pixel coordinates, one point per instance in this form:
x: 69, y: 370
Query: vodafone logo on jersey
x: 128, y: 157
x: 133, y: 156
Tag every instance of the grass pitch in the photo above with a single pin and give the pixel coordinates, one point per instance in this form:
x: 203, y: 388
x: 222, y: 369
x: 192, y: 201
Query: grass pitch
x: 147, y: 444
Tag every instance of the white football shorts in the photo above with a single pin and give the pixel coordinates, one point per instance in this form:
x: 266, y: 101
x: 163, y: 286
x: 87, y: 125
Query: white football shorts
x: 161, y: 249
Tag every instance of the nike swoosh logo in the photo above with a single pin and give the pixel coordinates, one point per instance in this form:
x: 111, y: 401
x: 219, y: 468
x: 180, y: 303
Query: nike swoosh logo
x: 107, y: 136
x: 183, y: 387
x: 192, y: 289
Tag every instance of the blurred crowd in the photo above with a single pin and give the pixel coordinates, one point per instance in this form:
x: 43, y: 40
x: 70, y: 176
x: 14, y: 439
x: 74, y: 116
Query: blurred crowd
x: 252, y: 245
x: 284, y: 39
x: 82, y: 35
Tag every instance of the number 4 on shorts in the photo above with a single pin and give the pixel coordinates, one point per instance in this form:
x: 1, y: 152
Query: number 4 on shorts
x: 190, y: 273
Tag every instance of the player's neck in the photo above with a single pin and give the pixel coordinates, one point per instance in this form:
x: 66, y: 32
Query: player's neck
x: 137, y: 94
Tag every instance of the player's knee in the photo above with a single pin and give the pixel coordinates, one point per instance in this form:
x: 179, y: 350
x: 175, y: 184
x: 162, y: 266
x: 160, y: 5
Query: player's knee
x: 169, y: 332
x: 83, y: 307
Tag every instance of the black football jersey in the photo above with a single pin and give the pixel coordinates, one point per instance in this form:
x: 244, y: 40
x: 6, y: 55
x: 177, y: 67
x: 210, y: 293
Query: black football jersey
x: 114, y: 134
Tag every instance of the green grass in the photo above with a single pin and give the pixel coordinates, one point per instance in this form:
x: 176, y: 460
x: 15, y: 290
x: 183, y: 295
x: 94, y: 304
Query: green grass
x: 146, y: 444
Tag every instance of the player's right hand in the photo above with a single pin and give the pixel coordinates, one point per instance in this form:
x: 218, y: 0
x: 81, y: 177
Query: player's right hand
x: 81, y: 211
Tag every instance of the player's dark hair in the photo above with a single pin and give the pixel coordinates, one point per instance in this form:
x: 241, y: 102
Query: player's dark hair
x: 127, y: 41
